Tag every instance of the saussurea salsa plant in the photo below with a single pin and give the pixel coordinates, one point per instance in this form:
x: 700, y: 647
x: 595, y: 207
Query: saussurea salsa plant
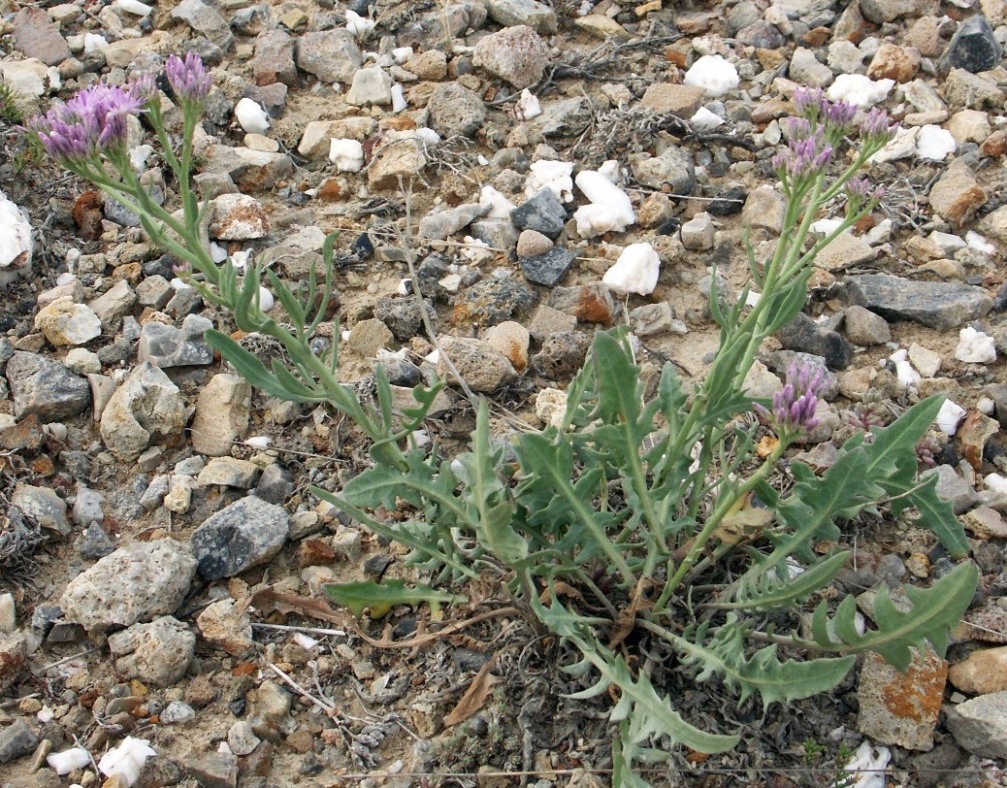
x: 645, y: 534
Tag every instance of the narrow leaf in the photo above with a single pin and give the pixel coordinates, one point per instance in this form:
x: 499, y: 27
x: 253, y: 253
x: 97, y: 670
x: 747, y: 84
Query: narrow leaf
x: 376, y: 599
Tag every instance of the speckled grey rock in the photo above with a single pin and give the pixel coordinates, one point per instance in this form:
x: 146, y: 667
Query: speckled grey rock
x: 156, y: 653
x: 245, y: 534
x: 94, y: 543
x: 145, y: 406
x: 42, y: 503
x: 17, y: 740
x: 45, y: 388
x: 403, y: 316
x: 477, y: 363
x: 206, y: 20
x: 331, y: 55
x: 805, y: 335
x: 979, y: 725
x: 438, y: 226
x: 165, y: 346
x: 549, y: 268
x: 542, y: 212
x: 940, y: 305
x: 135, y: 583
x: 454, y: 109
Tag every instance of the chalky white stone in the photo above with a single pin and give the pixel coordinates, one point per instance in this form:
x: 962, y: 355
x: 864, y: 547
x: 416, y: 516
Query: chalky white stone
x: 549, y: 174
x: 975, y: 347
x: 949, y: 417
x: 133, y: 7
x: 527, y: 106
x: 859, y: 90
x: 635, y: 271
x: 251, y: 116
x: 610, y: 208
x: 934, y: 143
x: 68, y: 760
x: 126, y: 760
x: 714, y: 74
x: 347, y: 155
x: 15, y: 233
x: 705, y: 120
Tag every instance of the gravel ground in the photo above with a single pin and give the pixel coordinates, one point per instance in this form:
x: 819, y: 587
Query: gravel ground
x: 161, y: 557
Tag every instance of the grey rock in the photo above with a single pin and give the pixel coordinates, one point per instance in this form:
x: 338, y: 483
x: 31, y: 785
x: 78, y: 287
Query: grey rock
x: 964, y: 89
x: 65, y: 323
x: 147, y: 405
x: 863, y: 327
x: 953, y: 488
x: 157, y: 653
x: 273, y: 60
x: 206, y: 20
x: 673, y: 168
x: 929, y: 769
x: 36, y: 36
x: 979, y: 725
x: 370, y: 87
x: 887, y: 10
x: 153, y: 496
x: 805, y: 335
x: 87, y: 508
x: 742, y: 15
x: 562, y: 354
x: 94, y: 543
x: 331, y: 55
x: 547, y: 269
x: 245, y: 534
x: 482, y: 368
x: 251, y: 170
x: 508, y: 13
x: 229, y: 472
x: 454, y: 109
x: 543, y: 212
x: 16, y: 741
x: 44, y: 505
x: 401, y: 372
x: 656, y: 319
x: 495, y: 233
x: 253, y: 21
x: 184, y: 302
x: 165, y: 346
x: 135, y: 583
x: 223, y: 410
x: 403, y: 316
x: 241, y: 739
x: 516, y: 55
x: 532, y: 243
x: 438, y: 226
x: 562, y: 118
x: 973, y: 47
x: 398, y: 162
x: 178, y: 713
x: 805, y: 69
x: 761, y: 35
x: 114, y: 304
x: 45, y: 388
x: 492, y: 301
x: 214, y: 769
x: 940, y: 305
x: 276, y: 484
x: 998, y: 393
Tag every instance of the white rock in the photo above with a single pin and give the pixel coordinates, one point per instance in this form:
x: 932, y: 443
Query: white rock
x: 986, y: 406
x: 427, y: 136
x: 868, y: 766
x: 266, y: 299
x: 251, y: 116
x: 901, y: 146
x: 399, y: 102
x: 133, y: 7
x: 357, y: 24
x: 68, y: 760
x: 704, y: 120
x: 975, y: 347
x: 497, y: 202
x: 93, y: 43
x: 826, y: 226
x: 126, y: 760
x: 934, y: 143
x: 948, y: 417
x: 612, y: 170
x: 610, y: 208
x: 401, y: 54
x: 635, y: 271
x: 978, y: 242
x: 714, y: 74
x: 906, y: 374
x: 527, y: 106
x: 548, y: 174
x: 859, y: 90
x: 15, y: 233
x: 347, y: 155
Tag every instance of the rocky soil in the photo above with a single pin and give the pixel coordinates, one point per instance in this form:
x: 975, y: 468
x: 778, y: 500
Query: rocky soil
x: 160, y: 555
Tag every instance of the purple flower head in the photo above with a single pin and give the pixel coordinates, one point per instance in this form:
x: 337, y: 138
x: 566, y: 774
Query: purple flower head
x: 143, y: 86
x: 876, y: 126
x: 188, y: 78
x: 860, y: 192
x: 796, y: 128
x: 794, y: 405
x: 803, y: 157
x: 90, y: 123
x: 816, y: 108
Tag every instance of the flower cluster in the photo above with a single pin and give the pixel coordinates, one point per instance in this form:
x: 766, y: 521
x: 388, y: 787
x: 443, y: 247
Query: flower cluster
x: 794, y: 405
x: 188, y: 78
x: 92, y: 122
x: 807, y: 153
x: 836, y: 117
